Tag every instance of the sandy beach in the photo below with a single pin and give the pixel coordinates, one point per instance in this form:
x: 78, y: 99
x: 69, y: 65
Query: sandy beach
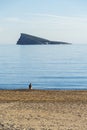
x: 43, y: 110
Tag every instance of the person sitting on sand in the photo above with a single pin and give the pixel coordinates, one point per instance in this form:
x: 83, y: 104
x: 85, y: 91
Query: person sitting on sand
x: 30, y: 86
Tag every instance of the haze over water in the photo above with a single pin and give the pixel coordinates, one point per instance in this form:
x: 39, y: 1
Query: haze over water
x: 45, y: 66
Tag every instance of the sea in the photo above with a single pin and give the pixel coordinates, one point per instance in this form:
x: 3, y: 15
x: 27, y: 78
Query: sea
x: 47, y: 67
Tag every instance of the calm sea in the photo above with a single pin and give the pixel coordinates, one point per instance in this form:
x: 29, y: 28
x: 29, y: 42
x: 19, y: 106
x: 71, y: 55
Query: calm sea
x: 45, y: 66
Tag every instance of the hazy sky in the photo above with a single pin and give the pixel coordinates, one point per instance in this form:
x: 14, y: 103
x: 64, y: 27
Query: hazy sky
x: 63, y: 20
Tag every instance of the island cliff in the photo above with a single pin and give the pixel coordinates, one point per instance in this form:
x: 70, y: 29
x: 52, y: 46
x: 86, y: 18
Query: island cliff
x: 26, y: 39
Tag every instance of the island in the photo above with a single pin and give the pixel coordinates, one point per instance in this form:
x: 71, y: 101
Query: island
x: 26, y: 39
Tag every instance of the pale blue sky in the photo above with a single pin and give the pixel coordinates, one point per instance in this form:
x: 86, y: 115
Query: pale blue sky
x: 63, y: 20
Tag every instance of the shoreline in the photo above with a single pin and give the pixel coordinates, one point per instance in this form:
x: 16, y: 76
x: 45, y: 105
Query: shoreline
x: 33, y: 95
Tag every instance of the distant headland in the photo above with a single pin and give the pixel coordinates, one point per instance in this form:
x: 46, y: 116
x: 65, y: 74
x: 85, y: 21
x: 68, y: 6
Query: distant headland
x: 26, y: 39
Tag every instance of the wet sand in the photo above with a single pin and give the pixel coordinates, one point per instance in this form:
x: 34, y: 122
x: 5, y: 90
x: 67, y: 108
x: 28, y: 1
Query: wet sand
x: 43, y: 110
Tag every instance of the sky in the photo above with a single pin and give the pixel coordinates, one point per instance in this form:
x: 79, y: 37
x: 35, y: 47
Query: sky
x: 61, y: 20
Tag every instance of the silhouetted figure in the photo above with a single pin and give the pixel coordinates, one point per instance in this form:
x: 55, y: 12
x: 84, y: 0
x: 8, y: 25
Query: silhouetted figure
x: 30, y: 86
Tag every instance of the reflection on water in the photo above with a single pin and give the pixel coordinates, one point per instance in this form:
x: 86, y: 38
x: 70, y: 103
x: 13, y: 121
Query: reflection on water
x: 45, y: 66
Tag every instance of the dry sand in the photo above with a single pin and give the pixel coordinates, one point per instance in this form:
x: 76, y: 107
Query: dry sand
x: 43, y: 110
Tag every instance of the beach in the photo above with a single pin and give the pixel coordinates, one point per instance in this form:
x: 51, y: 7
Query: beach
x: 43, y: 110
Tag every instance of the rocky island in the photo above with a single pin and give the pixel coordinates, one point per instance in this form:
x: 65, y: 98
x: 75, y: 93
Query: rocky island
x: 26, y: 39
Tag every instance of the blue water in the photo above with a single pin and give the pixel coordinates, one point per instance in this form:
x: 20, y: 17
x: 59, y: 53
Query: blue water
x: 45, y: 66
